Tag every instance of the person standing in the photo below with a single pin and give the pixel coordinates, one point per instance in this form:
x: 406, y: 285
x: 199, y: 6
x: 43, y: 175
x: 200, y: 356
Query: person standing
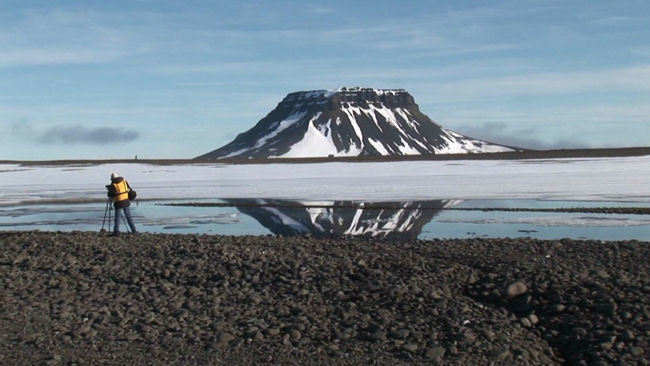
x: 118, y: 191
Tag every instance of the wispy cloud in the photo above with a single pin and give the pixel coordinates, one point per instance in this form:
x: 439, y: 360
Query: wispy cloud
x: 581, y: 115
x: 616, y: 20
x: 32, y: 56
x: 463, y: 81
x: 511, y: 63
x: 613, y: 17
x: 63, y: 36
x: 54, y: 37
x: 623, y: 79
x: 497, y: 132
x: 74, y: 134
x: 83, y: 135
x: 319, y: 9
x: 642, y: 51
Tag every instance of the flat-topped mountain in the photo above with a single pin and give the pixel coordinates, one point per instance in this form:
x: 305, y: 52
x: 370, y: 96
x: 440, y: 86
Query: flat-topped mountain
x: 348, y: 122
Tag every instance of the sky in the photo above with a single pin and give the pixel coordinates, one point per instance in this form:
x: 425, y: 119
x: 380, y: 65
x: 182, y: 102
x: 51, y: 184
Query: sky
x: 177, y: 79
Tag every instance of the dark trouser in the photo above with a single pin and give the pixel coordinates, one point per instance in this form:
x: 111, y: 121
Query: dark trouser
x: 118, y: 217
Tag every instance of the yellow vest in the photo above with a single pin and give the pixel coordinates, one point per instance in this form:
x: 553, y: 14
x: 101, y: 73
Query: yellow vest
x: 121, y: 191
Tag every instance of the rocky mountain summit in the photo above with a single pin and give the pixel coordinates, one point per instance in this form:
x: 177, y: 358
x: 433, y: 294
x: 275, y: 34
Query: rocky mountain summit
x: 349, y: 122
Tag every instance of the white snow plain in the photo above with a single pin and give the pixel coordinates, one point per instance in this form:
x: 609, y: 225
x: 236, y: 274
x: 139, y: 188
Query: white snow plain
x: 589, y: 179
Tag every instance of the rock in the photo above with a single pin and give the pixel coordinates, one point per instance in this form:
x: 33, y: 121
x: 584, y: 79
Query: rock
x: 410, y: 347
x: 533, y: 319
x: 258, y: 336
x: 285, y: 340
x: 636, y: 351
x: 373, y: 327
x: 236, y: 273
x: 602, y: 274
x: 399, y: 334
x: 132, y: 337
x: 436, y: 353
x: 333, y: 347
x: 141, y: 328
x: 342, y: 334
x: 453, y: 350
x: 526, y: 322
x: 558, y: 308
x: 521, y: 304
x: 378, y: 336
x: 224, y: 338
x: 273, y: 331
x: 295, y: 334
x: 489, y: 335
x: 83, y: 330
x: 468, y: 337
x: 515, y: 289
x: 627, y: 335
x: 607, y: 308
x: 504, y: 355
x: 251, y: 332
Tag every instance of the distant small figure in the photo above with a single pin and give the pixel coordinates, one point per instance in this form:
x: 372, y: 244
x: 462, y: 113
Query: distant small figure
x: 136, y: 157
x: 119, y: 190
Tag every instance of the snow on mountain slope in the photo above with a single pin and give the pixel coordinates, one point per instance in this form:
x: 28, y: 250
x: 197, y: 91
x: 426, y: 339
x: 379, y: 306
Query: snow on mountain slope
x: 349, y: 122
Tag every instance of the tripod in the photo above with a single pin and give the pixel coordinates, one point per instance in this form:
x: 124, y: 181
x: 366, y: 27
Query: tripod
x: 109, y: 209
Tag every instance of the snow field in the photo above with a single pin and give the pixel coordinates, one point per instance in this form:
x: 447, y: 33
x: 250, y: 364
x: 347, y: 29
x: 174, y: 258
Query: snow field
x: 601, y: 179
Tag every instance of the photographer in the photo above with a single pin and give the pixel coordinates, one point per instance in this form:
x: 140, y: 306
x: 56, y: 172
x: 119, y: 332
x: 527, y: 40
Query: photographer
x: 121, y: 193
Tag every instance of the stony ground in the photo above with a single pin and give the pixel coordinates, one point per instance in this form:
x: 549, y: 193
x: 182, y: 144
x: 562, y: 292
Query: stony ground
x: 85, y: 298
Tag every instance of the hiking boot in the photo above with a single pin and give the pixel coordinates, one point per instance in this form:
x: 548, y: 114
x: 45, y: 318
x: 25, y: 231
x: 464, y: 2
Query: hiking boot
x: 115, y: 234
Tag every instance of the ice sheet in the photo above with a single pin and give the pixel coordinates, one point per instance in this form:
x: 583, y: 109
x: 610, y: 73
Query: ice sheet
x: 601, y: 179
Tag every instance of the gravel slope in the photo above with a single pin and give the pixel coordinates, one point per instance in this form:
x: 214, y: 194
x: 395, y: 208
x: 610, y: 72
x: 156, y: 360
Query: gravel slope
x: 85, y: 298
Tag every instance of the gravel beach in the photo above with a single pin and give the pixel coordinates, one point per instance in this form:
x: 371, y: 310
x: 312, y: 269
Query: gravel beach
x: 85, y: 298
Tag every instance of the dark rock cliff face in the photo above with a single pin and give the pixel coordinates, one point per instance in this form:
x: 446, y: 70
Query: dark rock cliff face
x: 348, y: 122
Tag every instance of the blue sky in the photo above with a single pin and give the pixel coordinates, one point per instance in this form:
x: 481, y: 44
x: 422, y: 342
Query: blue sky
x: 172, y: 79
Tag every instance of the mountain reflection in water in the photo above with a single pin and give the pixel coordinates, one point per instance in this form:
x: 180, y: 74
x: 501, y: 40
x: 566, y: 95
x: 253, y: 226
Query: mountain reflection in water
x: 384, y: 220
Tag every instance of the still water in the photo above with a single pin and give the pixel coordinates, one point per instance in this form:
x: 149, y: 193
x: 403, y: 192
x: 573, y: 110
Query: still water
x: 408, y: 220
